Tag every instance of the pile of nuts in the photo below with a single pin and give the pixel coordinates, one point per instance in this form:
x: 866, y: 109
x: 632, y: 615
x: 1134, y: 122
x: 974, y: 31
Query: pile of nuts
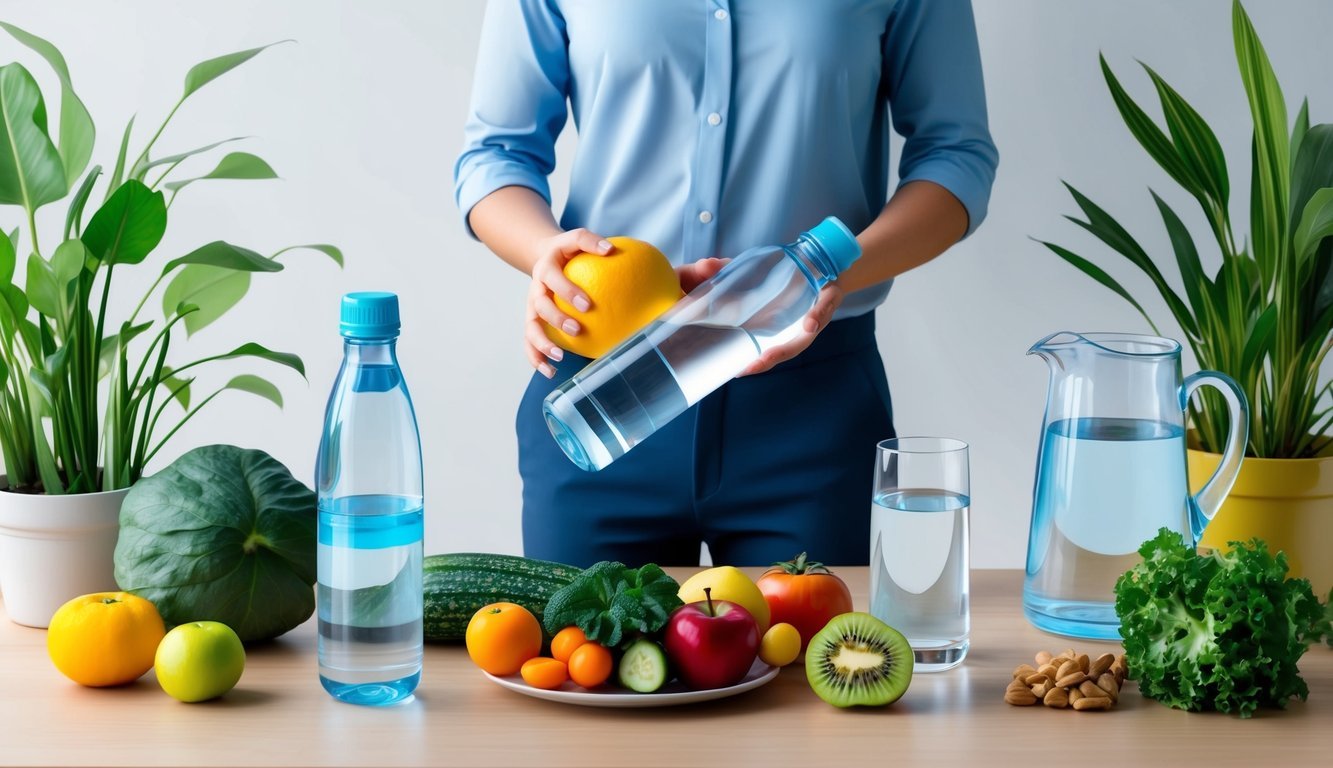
x: 1068, y: 680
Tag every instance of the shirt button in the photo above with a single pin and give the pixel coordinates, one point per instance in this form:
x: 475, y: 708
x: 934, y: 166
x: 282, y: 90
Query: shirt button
x: 714, y: 118
x: 705, y: 217
x: 720, y: 15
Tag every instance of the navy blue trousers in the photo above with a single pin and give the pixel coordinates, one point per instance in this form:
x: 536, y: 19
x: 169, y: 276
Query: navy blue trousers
x: 766, y: 467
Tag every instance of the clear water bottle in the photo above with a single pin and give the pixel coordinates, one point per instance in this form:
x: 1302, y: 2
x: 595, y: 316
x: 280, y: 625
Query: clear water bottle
x: 368, y: 472
x: 756, y: 302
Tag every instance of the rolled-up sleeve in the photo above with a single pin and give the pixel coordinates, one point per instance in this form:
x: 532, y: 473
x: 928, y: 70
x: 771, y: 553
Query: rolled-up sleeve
x: 937, y: 100
x: 518, y: 102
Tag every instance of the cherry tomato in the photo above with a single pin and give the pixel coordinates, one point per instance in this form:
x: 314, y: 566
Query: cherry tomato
x: 590, y: 665
x: 501, y: 636
x: 804, y: 594
x: 543, y: 672
x: 566, y: 641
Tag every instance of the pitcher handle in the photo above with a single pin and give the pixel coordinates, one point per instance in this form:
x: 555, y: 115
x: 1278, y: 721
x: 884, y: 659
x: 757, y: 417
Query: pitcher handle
x: 1214, y: 492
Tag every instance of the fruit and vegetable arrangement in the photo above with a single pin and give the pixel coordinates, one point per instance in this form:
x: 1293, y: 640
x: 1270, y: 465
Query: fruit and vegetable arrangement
x: 637, y: 629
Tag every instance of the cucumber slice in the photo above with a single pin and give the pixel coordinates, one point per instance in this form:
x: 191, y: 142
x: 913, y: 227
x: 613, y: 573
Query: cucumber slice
x: 643, y: 667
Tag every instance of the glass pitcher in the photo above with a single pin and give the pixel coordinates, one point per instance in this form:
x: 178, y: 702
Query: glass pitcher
x: 1111, y: 471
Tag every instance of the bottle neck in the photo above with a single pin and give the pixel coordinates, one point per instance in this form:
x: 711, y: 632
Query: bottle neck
x: 370, y: 351
x: 814, y: 260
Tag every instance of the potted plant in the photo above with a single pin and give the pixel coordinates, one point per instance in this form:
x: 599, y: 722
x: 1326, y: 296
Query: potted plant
x: 87, y: 399
x: 1264, y: 316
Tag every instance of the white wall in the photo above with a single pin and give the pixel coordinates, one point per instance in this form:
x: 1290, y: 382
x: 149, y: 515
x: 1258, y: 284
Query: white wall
x: 363, y: 118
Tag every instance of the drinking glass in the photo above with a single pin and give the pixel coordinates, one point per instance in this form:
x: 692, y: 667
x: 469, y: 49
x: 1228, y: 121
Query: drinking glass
x: 919, y: 547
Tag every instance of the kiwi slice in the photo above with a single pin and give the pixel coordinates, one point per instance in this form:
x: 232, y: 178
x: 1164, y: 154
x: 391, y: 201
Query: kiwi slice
x: 858, y: 660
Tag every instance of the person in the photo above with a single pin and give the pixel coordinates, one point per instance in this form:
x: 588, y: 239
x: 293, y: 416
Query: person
x: 706, y: 127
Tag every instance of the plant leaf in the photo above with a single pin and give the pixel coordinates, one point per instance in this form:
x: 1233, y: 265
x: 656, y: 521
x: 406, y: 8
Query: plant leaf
x: 8, y: 259
x: 74, y: 216
x: 119, y: 172
x: 256, y: 385
x: 1312, y: 168
x: 205, y: 72
x: 1151, y: 137
x: 169, y: 159
x: 236, y: 165
x: 178, y: 388
x: 1187, y: 259
x: 1270, y: 186
x: 333, y: 252
x: 1194, y: 141
x: 128, y: 226
x: 31, y: 171
x: 223, y: 254
x: 1316, y: 223
x: 1259, y: 337
x: 1098, y: 274
x: 68, y: 261
x: 43, y: 289
x: 76, y: 125
x: 213, y: 289
x: 1109, y: 231
x: 251, y: 349
x: 111, y: 344
x: 1298, y: 131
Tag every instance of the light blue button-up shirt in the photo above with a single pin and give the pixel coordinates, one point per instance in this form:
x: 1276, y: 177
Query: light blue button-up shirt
x: 707, y: 127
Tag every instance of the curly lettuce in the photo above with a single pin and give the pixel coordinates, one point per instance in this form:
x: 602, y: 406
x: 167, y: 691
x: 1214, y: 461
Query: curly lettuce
x: 1221, y: 632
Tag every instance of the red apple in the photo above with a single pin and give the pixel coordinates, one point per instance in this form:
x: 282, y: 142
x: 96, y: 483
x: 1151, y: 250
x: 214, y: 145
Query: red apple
x: 711, y: 644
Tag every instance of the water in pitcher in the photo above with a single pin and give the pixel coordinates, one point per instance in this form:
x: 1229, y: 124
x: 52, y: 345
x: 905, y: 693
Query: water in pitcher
x: 1101, y: 486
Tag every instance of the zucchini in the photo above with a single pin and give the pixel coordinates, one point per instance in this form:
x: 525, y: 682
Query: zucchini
x: 457, y: 585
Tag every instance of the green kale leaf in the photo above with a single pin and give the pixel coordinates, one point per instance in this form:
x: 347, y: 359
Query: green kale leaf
x: 609, y: 602
x: 1215, y: 632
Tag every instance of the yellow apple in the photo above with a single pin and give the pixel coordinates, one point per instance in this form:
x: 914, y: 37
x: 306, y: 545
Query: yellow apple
x: 728, y: 583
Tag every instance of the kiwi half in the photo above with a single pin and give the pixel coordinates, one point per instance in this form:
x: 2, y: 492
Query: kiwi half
x: 858, y: 660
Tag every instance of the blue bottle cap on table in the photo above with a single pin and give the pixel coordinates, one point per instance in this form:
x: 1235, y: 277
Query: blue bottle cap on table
x: 837, y: 241
x: 369, y: 315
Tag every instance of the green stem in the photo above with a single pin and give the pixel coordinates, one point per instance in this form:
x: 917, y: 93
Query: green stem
x: 179, y: 424
x: 138, y: 307
x: 32, y: 230
x: 158, y: 133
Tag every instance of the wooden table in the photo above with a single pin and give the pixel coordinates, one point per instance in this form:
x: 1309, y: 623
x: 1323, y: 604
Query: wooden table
x: 279, y: 715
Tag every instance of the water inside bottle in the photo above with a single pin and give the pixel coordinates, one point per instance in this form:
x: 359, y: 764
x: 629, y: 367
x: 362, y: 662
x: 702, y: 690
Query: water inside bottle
x: 1105, y: 485
x: 370, y: 597
x: 623, y: 398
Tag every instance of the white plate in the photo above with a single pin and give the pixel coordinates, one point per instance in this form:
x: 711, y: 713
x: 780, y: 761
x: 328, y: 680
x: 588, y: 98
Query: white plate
x: 670, y: 695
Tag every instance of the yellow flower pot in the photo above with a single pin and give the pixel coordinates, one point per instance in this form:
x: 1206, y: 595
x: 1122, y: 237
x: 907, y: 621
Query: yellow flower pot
x: 1286, y: 502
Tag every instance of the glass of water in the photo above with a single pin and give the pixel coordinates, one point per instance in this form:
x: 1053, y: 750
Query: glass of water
x: 919, y: 547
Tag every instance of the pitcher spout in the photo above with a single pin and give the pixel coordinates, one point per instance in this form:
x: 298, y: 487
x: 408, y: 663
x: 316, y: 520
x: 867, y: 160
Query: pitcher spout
x: 1054, y: 349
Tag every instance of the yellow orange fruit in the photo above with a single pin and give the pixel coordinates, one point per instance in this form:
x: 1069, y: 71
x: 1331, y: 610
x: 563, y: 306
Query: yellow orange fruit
x: 501, y: 636
x: 728, y: 583
x: 106, y: 638
x: 629, y: 287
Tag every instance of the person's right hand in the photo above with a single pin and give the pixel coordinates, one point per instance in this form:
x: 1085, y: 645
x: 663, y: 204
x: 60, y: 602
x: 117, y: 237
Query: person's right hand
x: 548, y: 281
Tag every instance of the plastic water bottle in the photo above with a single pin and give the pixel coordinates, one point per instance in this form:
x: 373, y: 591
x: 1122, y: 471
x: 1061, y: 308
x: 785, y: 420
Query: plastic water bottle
x: 756, y: 302
x: 368, y: 471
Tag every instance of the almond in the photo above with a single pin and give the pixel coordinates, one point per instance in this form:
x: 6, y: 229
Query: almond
x: 1107, y: 683
x: 1092, y: 703
x: 1056, y: 698
x: 1020, y: 698
x: 1072, y: 679
x: 1043, y: 658
x: 1023, y: 670
x: 1083, y: 662
x: 1100, y: 665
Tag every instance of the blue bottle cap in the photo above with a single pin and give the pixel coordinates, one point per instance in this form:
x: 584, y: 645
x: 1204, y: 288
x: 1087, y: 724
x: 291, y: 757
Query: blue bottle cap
x: 838, y: 242
x: 369, y: 315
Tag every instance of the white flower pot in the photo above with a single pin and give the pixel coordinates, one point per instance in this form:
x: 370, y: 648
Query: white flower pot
x: 53, y: 548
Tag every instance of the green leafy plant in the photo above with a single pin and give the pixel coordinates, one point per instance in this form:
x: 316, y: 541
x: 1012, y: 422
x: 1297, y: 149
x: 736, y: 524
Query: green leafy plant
x: 611, y: 603
x: 1221, y: 632
x: 82, y: 397
x: 1265, y: 317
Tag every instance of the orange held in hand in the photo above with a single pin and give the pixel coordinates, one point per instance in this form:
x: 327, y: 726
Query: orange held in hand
x: 106, y: 638
x: 501, y: 636
x: 629, y: 287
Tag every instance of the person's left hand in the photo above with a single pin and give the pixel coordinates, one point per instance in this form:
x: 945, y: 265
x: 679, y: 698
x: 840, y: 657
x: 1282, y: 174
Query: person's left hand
x: 815, y: 321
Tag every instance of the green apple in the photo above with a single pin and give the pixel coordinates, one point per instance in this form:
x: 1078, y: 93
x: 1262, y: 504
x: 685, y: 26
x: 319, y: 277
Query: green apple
x: 199, y: 661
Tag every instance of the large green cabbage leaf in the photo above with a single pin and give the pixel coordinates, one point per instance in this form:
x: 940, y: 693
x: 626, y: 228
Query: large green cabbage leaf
x: 222, y: 534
